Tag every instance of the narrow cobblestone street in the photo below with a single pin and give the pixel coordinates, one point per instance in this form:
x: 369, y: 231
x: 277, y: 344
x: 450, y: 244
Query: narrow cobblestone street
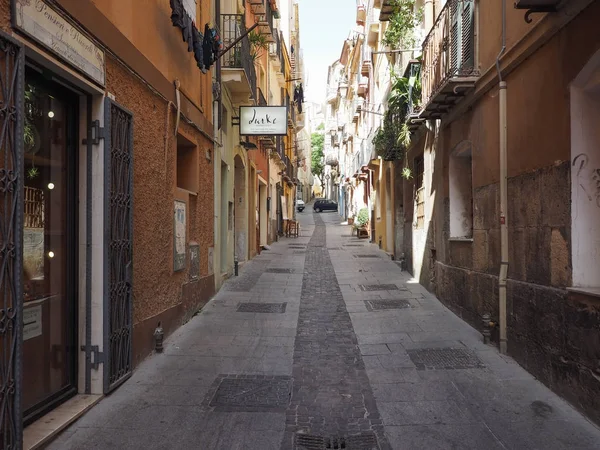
x: 322, y: 342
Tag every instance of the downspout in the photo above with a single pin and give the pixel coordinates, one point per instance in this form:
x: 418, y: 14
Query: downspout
x: 503, y: 191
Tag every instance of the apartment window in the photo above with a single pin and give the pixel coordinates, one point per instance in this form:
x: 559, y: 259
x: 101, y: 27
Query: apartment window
x: 419, y: 169
x: 187, y: 164
x: 461, y: 193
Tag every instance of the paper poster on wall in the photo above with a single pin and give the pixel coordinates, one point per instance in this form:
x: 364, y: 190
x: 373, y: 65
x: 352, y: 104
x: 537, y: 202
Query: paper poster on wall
x: 32, y: 322
x: 284, y: 209
x: 179, y: 244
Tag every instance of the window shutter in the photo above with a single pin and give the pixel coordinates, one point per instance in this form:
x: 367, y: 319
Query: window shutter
x: 468, y: 36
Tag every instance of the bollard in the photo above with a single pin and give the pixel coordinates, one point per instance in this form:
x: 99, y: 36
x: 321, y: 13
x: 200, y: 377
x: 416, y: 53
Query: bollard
x: 159, y: 336
x: 235, y: 266
x: 486, y: 318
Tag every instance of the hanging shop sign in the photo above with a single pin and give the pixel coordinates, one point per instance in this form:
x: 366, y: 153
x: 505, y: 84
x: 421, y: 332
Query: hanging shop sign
x: 49, y: 27
x: 263, y: 120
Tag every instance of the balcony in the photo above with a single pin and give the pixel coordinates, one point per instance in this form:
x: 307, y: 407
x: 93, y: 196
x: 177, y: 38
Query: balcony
x: 387, y: 10
x: 238, y: 67
x: 264, y: 13
x: 300, y: 121
x: 275, y: 51
x: 331, y: 95
x: 363, y: 87
x: 448, y: 68
x: 361, y: 12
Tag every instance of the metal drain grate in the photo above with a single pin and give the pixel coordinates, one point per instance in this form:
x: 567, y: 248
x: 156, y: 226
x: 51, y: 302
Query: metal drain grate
x: 279, y: 270
x: 251, y: 393
x: 353, y: 245
x: 444, y: 359
x: 382, y: 305
x: 335, y: 248
x: 378, y: 287
x: 366, y: 256
x: 366, y: 441
x: 278, y: 308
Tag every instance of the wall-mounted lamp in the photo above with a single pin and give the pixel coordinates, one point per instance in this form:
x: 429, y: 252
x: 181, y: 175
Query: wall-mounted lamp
x: 536, y: 6
x: 51, y: 114
x: 50, y: 186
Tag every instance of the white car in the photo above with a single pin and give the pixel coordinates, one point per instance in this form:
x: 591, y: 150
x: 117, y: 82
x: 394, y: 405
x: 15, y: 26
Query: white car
x: 300, y: 205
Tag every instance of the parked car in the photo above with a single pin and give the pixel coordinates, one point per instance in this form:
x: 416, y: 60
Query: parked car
x: 300, y: 205
x: 325, y: 205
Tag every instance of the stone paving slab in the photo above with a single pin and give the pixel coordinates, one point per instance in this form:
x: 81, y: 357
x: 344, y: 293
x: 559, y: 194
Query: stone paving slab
x: 350, y: 369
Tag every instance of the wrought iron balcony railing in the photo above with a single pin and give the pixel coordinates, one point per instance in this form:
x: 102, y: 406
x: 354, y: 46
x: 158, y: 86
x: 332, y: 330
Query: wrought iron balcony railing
x: 449, y: 67
x: 232, y: 27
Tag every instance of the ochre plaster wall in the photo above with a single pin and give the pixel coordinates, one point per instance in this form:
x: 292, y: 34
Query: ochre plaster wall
x: 147, y: 24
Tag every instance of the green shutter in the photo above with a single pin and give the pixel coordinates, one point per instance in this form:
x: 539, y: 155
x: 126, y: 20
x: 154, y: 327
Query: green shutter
x: 468, y: 37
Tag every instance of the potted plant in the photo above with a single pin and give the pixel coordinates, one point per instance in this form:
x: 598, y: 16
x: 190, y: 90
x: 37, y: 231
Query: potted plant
x: 361, y: 223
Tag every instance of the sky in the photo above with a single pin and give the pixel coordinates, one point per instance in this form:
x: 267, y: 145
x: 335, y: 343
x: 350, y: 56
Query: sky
x: 324, y: 25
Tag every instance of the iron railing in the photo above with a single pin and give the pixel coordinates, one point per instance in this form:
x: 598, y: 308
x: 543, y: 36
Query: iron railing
x: 239, y: 57
x: 449, y: 48
x: 118, y: 166
x: 12, y: 70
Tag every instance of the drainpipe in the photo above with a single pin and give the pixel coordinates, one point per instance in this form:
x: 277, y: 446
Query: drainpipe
x: 503, y: 191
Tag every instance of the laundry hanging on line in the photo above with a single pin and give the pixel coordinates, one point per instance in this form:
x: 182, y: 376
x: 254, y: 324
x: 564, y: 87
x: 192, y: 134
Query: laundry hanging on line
x: 206, y: 47
x: 299, y: 96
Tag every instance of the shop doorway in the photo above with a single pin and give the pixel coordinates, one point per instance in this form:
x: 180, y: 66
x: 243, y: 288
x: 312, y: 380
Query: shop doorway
x: 49, y: 245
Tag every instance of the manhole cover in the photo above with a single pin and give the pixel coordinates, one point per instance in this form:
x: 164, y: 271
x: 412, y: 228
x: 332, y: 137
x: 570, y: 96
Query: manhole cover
x: 251, y: 392
x: 366, y: 441
x: 366, y: 256
x: 262, y: 307
x: 381, y: 305
x: 378, y: 287
x: 444, y: 359
x: 279, y: 270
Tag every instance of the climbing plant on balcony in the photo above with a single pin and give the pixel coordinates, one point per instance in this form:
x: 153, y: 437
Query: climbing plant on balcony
x: 404, y: 22
x: 393, y: 138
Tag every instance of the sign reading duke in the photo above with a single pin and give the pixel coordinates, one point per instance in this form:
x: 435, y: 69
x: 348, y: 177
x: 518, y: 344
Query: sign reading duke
x: 263, y: 120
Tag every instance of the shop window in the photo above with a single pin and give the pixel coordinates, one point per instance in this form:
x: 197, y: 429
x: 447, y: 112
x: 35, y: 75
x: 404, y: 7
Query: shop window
x: 187, y: 164
x: 461, y: 193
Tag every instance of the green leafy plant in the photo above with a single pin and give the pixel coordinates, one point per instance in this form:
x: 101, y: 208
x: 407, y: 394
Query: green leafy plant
x: 363, y: 217
x: 316, y: 157
x: 406, y: 173
x: 258, y: 44
x: 404, y: 21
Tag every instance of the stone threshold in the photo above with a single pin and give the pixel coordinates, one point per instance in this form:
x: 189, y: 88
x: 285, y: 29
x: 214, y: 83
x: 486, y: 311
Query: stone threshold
x: 50, y: 425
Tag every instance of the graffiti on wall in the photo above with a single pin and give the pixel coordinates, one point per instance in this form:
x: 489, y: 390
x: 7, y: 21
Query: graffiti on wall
x: 588, y: 178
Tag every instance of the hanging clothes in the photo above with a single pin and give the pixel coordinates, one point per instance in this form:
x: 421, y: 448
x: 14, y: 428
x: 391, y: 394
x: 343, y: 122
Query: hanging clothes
x: 199, y: 51
x: 299, y: 97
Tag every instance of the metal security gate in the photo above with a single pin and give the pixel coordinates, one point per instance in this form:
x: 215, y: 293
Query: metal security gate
x: 118, y: 166
x: 11, y: 241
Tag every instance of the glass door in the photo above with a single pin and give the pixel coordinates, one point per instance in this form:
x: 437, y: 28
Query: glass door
x: 49, y: 245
